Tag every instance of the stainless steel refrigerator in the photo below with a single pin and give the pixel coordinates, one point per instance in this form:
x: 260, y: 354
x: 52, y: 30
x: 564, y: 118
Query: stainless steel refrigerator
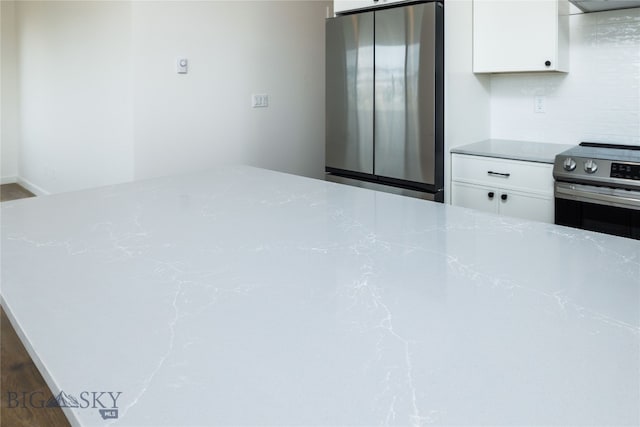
x: 384, y: 99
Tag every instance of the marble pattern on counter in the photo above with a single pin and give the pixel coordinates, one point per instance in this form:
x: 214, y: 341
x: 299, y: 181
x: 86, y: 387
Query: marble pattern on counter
x: 540, y: 152
x: 249, y: 297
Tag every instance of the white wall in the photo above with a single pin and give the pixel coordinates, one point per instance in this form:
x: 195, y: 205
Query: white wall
x: 598, y: 100
x: 235, y: 48
x: 75, y: 101
x: 9, y: 135
x: 101, y: 103
x: 467, y: 105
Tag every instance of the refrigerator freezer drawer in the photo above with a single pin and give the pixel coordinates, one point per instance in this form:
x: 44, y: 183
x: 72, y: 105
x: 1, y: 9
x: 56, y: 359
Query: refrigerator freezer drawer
x: 438, y: 197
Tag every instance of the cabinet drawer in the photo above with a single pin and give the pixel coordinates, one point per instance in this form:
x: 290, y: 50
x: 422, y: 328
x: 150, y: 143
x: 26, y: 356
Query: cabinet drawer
x: 494, y: 172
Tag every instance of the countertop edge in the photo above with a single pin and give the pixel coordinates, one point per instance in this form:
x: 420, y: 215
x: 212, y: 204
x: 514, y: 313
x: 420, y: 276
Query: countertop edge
x: 528, y: 151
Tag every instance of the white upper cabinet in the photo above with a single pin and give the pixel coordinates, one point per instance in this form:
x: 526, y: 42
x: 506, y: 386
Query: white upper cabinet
x: 520, y: 36
x: 341, y: 6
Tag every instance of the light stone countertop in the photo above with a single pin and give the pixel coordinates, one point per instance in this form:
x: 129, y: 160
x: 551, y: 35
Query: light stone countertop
x: 248, y: 297
x: 541, y: 152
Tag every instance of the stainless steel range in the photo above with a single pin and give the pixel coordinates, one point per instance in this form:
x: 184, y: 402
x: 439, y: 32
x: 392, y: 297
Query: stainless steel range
x: 598, y: 188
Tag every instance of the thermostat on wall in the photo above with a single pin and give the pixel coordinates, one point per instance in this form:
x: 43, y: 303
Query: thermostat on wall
x: 182, y: 65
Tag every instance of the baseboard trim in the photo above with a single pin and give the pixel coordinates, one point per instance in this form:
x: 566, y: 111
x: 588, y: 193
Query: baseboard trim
x: 38, y: 191
x: 8, y: 180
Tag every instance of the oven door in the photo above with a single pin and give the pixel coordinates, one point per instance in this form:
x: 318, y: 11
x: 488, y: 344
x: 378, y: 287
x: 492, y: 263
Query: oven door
x: 603, y: 209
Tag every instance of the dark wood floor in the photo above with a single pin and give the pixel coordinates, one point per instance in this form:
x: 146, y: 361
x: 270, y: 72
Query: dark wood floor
x: 13, y: 192
x: 18, y: 373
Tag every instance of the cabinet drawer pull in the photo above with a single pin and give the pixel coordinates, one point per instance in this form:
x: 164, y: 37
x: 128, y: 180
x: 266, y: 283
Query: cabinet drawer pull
x: 503, y: 197
x: 490, y: 194
x: 504, y: 175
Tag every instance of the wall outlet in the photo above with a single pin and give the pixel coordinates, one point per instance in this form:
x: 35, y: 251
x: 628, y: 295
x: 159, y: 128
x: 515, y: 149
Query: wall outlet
x: 260, y: 100
x: 539, y: 104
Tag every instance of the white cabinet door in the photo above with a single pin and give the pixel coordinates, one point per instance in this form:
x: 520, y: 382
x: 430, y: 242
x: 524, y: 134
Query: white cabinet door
x: 341, y: 6
x: 520, y: 35
x: 527, y: 206
x: 347, y: 5
x: 474, y: 197
x: 504, y: 202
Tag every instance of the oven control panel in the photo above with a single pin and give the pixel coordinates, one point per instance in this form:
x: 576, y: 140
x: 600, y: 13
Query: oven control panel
x: 601, y: 165
x: 625, y: 171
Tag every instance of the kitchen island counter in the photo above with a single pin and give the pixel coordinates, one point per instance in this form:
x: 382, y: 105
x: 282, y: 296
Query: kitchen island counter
x: 245, y: 296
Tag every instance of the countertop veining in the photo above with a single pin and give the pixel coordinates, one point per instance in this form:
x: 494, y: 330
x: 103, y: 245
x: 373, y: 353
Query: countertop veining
x: 244, y: 296
x: 541, y: 152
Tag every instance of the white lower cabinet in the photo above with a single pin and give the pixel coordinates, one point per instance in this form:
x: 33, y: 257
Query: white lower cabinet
x: 508, y: 187
x: 503, y: 201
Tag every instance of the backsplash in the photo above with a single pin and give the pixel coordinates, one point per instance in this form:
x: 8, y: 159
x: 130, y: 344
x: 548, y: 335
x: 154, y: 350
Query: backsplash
x: 598, y: 100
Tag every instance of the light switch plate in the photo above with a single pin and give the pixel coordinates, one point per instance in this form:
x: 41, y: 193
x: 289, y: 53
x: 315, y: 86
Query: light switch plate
x: 260, y: 100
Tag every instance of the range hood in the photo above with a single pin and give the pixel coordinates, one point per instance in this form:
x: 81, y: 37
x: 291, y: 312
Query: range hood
x: 601, y: 5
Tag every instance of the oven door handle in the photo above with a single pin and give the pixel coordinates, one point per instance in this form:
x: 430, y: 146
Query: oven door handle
x: 602, y: 196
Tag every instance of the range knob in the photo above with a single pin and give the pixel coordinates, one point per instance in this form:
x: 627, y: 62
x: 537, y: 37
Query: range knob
x: 569, y: 164
x: 590, y: 166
